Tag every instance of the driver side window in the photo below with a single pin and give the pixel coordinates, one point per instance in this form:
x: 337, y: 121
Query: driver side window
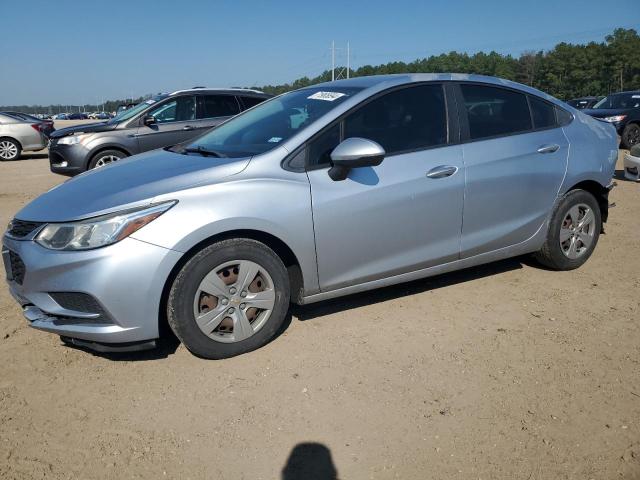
x: 179, y: 109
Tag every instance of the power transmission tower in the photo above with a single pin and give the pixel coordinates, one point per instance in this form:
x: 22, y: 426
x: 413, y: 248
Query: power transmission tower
x: 342, y: 72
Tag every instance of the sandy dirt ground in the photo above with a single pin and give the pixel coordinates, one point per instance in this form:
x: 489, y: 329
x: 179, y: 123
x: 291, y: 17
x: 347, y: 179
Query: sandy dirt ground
x: 503, y: 371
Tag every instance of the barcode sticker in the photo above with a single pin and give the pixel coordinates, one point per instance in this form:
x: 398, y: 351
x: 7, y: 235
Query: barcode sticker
x: 327, y: 96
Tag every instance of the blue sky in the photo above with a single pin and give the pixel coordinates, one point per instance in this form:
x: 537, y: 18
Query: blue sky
x: 80, y: 51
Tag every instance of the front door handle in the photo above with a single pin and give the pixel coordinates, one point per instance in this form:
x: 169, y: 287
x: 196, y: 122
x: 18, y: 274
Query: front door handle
x: 548, y: 148
x: 442, y: 171
x: 187, y: 128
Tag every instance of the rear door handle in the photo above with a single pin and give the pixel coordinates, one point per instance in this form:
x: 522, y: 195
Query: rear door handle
x: 187, y: 127
x: 442, y: 171
x: 548, y: 148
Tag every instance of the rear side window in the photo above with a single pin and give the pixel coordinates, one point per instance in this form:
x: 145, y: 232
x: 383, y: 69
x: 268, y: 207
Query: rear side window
x: 406, y: 119
x: 217, y: 106
x: 251, y: 101
x: 543, y: 113
x: 494, y: 111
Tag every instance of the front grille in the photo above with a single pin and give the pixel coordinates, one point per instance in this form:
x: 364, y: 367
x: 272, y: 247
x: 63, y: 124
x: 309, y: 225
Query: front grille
x: 81, y: 302
x: 17, y: 267
x: 22, y: 228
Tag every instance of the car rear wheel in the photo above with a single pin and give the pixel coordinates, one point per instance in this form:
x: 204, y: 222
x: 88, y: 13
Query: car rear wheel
x: 230, y: 298
x: 102, y: 159
x: 573, y: 232
x: 9, y: 149
x: 630, y: 135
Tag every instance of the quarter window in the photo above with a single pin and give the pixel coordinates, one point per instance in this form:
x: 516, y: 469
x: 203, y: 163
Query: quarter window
x: 218, y: 106
x: 179, y: 109
x: 543, y: 113
x: 495, y: 111
x: 406, y: 119
x: 320, y: 148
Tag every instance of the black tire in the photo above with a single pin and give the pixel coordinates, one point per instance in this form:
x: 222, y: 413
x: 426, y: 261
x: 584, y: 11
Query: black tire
x: 105, y: 154
x: 16, y: 147
x: 180, y: 302
x: 630, y: 136
x: 551, y: 254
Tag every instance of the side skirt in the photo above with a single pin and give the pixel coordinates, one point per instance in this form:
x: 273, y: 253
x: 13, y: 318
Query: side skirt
x: 532, y: 244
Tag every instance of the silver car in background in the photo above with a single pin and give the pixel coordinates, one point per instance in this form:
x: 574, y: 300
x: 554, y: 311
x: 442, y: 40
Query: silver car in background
x: 20, y: 135
x: 322, y: 192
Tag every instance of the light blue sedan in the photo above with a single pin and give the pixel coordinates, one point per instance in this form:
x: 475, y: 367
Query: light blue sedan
x: 322, y: 192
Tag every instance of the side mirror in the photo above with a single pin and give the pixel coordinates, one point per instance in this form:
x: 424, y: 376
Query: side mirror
x: 353, y: 153
x: 149, y: 120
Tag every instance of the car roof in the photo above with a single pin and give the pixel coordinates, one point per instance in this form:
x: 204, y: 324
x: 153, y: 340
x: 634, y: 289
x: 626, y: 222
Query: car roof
x: 219, y: 90
x: 379, y: 82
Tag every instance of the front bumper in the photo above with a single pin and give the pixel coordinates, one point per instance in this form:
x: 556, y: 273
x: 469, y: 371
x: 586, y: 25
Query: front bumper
x: 126, y: 279
x: 631, y: 167
x: 68, y: 160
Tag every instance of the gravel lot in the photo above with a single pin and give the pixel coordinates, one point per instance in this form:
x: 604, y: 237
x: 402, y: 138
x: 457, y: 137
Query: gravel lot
x: 502, y: 371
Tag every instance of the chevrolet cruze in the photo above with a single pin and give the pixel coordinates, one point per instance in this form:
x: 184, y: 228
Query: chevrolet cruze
x: 322, y: 192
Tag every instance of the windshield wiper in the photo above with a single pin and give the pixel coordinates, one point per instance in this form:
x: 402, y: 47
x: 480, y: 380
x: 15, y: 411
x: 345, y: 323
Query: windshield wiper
x: 203, y: 151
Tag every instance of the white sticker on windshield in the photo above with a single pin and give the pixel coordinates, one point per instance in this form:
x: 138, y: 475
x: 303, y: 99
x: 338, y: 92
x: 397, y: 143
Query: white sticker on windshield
x: 150, y: 101
x: 274, y: 139
x: 327, y: 96
x: 635, y: 96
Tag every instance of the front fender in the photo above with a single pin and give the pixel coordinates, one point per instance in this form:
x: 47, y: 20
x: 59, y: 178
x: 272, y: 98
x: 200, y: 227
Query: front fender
x: 280, y: 207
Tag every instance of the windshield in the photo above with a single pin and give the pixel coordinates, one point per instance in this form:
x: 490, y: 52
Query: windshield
x: 270, y: 123
x: 132, y: 112
x: 619, y: 100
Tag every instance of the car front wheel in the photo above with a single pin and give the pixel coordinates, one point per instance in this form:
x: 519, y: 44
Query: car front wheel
x: 230, y: 298
x: 573, y: 232
x: 104, y: 158
x: 631, y: 135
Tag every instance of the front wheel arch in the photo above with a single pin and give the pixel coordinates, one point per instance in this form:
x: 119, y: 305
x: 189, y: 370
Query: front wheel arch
x: 104, y: 148
x: 281, y: 249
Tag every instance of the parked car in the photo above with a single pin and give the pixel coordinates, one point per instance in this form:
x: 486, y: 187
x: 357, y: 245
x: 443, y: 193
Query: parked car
x: 386, y: 179
x: 18, y: 135
x: 583, y: 102
x: 159, y: 122
x: 78, y: 116
x: 622, y: 110
x: 61, y: 116
x: 46, y: 126
x: 632, y: 164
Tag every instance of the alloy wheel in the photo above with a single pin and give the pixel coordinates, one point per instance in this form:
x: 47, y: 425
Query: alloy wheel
x: 234, y: 301
x: 106, y: 160
x: 632, y: 135
x: 577, y: 231
x: 8, y: 150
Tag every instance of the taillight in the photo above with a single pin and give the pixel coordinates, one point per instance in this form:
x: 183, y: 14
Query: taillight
x: 36, y: 126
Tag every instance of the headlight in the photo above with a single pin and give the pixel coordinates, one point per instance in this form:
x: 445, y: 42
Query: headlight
x: 99, y: 231
x: 615, y: 118
x: 70, y: 140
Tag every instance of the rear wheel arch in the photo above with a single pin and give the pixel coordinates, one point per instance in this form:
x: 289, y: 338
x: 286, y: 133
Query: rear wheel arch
x: 6, y: 137
x: 600, y: 193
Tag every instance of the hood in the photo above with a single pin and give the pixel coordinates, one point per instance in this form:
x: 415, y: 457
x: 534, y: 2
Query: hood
x: 130, y: 182
x: 605, y: 112
x: 86, y: 128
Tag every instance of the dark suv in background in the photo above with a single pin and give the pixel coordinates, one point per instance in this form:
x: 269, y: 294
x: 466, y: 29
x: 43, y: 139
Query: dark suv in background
x: 622, y: 110
x: 164, y: 120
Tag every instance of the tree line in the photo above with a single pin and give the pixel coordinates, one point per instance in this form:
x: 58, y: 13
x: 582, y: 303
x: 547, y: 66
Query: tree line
x: 566, y: 71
